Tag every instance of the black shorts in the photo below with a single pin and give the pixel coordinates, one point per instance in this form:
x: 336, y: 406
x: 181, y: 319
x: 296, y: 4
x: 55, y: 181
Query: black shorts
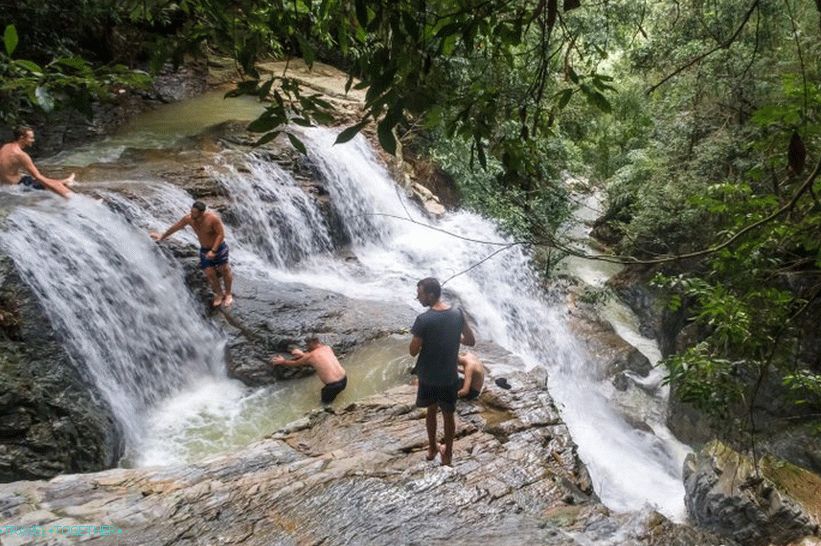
x: 444, y: 395
x: 31, y: 182
x: 331, y: 390
x: 219, y: 260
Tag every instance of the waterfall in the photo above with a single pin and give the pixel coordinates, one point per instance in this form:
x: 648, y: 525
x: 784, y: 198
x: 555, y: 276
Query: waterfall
x: 274, y: 216
x: 124, y: 311
x: 121, y: 308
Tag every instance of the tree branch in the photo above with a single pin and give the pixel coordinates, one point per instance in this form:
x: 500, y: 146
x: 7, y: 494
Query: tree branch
x: 706, y: 54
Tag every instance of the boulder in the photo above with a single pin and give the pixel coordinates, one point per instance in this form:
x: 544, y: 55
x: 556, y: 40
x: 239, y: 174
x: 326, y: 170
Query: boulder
x: 780, y: 504
x: 268, y: 317
x: 51, y: 420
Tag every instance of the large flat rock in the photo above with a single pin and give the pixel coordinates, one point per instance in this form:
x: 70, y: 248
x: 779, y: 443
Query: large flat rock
x: 359, y: 476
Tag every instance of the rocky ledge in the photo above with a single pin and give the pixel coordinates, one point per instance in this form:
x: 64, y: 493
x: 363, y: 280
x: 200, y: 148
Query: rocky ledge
x: 779, y: 504
x: 359, y: 476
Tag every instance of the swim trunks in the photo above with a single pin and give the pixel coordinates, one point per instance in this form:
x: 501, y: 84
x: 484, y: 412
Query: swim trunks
x: 444, y: 395
x: 30, y: 182
x: 331, y: 390
x: 220, y: 259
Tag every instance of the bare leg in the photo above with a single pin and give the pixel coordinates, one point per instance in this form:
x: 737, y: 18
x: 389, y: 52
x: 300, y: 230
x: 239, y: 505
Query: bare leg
x: 450, y: 430
x: 228, y: 280
x: 430, y: 424
x: 213, y: 281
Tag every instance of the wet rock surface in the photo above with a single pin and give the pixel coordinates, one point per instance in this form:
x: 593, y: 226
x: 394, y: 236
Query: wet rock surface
x: 268, y: 317
x: 359, y: 476
x: 724, y: 495
x: 51, y: 422
x: 608, y: 350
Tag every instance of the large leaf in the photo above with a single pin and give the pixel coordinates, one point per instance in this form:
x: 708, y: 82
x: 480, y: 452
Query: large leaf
x: 32, y: 67
x: 350, y: 132
x: 262, y: 125
x: 10, y: 39
x: 307, y: 50
x: 565, y: 97
x: 386, y: 138
x: 796, y: 154
x: 296, y: 143
x: 267, y: 137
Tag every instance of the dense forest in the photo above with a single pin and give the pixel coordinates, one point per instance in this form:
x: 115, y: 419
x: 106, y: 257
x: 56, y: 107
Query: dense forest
x: 700, y: 121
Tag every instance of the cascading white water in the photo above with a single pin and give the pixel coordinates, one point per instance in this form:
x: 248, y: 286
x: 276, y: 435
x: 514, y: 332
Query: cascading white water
x: 120, y: 307
x: 630, y: 467
x: 274, y: 215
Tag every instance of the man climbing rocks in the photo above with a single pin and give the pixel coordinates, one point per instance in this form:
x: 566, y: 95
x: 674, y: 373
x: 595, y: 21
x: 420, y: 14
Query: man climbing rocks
x: 13, y: 159
x: 437, y: 334
x: 213, y: 249
x: 324, y: 361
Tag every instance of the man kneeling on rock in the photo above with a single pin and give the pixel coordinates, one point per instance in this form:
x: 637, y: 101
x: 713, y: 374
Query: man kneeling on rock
x: 324, y: 361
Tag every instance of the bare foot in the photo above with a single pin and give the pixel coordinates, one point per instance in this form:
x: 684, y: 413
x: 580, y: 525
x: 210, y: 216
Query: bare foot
x: 446, y: 459
x: 217, y: 301
x: 432, y: 451
x: 229, y: 299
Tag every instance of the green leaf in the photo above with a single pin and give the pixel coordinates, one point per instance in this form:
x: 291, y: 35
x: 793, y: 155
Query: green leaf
x: 267, y: 137
x: 598, y: 100
x: 302, y: 121
x: 296, y: 143
x: 10, y: 39
x: 77, y: 63
x: 262, y: 125
x: 265, y: 88
x: 565, y: 97
x: 34, y: 68
x: 350, y: 132
x: 386, y: 138
x: 308, y: 53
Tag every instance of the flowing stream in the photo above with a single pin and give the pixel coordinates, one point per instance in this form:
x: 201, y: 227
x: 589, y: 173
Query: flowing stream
x: 125, y: 314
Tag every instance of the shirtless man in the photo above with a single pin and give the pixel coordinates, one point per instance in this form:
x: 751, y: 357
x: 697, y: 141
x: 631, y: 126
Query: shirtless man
x: 474, y: 376
x: 213, y: 250
x: 13, y: 159
x: 324, y: 361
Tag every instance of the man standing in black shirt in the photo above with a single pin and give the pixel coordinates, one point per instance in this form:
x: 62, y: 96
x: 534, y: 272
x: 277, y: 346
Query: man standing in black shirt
x: 437, y: 334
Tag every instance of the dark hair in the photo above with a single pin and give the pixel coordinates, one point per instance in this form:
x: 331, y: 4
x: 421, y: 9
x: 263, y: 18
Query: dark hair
x: 310, y: 340
x: 431, y: 286
x: 21, y: 130
x: 199, y: 205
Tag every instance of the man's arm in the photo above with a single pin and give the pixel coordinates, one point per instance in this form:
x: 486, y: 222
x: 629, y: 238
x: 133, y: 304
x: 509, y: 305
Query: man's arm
x: 304, y: 359
x: 467, y: 334
x: 466, y: 385
x: 415, y: 346
x: 184, y: 221
x: 57, y: 186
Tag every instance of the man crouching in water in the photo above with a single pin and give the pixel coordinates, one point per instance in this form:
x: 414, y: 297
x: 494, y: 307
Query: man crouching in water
x: 13, y: 159
x: 324, y: 361
x: 213, y: 250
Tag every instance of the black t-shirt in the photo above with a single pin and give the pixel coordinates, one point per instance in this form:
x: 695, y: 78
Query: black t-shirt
x: 441, y: 333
